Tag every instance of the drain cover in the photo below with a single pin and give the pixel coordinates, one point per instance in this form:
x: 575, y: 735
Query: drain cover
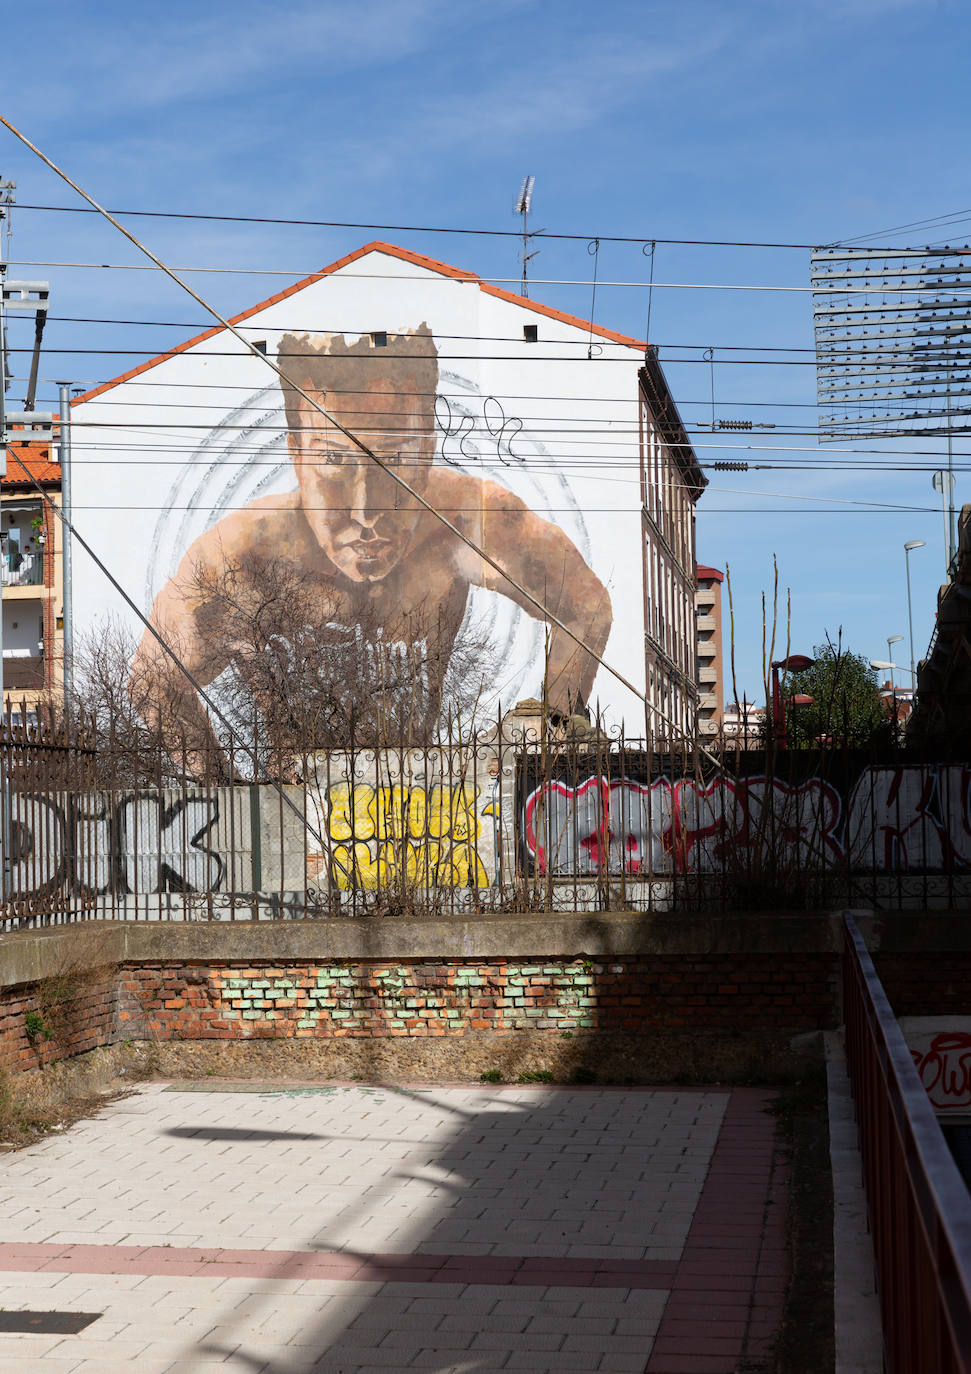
x: 48, y: 1323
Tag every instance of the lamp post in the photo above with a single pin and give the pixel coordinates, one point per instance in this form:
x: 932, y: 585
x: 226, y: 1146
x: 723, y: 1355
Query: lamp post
x: 883, y: 665
x: 910, y: 545
x: 891, y: 641
x: 795, y: 663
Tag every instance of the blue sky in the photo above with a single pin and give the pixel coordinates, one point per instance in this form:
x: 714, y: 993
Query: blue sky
x: 690, y: 120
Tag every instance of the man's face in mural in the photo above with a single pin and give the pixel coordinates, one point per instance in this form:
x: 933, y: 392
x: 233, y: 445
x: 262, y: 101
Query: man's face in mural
x: 360, y: 516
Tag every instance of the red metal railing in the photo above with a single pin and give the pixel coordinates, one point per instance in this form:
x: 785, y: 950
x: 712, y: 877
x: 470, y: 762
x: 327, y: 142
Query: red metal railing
x: 919, y: 1206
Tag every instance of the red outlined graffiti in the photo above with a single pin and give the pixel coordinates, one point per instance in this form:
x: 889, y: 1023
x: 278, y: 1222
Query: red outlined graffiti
x: 944, y: 1069
x: 663, y: 827
x: 893, y: 825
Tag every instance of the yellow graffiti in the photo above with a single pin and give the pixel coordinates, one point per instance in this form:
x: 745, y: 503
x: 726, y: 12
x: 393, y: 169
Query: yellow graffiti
x: 387, y: 835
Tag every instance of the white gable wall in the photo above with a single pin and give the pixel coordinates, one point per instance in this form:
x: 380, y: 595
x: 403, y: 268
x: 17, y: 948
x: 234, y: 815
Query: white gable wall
x: 160, y: 458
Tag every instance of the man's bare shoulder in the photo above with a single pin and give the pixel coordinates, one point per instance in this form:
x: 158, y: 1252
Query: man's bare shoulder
x: 461, y: 492
x: 271, y: 526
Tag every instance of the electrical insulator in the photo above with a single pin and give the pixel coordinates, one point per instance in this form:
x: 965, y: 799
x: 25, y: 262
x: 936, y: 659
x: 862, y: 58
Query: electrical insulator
x: 730, y: 467
x: 734, y: 424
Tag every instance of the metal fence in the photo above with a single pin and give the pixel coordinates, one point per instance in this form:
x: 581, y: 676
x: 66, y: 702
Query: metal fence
x: 513, y: 817
x: 919, y: 1207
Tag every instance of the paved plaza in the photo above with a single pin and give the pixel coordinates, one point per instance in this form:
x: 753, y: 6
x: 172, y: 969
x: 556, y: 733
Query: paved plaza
x: 351, y: 1228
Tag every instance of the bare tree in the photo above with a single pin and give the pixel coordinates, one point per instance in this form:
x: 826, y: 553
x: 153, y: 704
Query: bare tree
x: 284, y: 672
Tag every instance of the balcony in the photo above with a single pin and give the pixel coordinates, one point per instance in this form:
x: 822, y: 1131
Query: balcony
x: 22, y: 673
x: 22, y: 569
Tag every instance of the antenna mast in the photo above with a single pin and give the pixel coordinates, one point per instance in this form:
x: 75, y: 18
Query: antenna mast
x: 521, y: 207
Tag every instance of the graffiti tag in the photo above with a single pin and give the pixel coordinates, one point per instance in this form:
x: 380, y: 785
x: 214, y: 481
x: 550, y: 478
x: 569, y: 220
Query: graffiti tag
x: 896, y: 819
x: 384, y: 834
x: 945, y: 1069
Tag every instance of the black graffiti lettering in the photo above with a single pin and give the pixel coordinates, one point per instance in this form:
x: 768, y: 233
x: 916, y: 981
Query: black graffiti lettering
x: 141, y: 844
x: 162, y: 846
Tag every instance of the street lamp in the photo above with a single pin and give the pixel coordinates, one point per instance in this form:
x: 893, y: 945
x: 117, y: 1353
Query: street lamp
x: 891, y: 641
x: 910, y: 545
x: 882, y: 665
x: 795, y: 663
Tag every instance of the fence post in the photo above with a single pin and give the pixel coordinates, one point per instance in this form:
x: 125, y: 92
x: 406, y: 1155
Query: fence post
x: 256, y: 836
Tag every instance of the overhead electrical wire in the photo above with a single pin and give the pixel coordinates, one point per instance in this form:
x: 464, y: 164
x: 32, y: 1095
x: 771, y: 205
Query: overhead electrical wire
x: 878, y: 509
x: 551, y: 236
x: 951, y: 220
x: 837, y: 289
x: 474, y: 338
x: 594, y: 466
x: 417, y: 228
x: 162, y: 355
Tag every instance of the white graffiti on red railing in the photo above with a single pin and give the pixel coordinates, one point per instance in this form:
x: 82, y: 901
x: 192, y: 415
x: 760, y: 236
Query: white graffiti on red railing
x: 915, y: 818
x: 945, y: 1069
x: 141, y: 843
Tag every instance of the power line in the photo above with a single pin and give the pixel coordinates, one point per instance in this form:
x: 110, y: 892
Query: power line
x: 955, y: 218
x: 419, y: 228
x: 177, y: 351
x: 300, y: 273
x: 878, y: 508
x: 475, y: 338
x: 643, y: 240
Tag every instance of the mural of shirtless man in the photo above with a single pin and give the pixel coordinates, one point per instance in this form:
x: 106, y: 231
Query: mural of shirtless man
x: 380, y: 558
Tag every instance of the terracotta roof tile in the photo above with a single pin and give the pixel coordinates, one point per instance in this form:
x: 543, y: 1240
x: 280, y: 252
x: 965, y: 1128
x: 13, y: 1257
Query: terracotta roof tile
x: 37, y: 460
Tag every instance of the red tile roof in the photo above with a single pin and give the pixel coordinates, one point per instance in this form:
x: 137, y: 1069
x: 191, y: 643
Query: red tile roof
x: 36, y: 458
x: 705, y: 572
x: 406, y: 255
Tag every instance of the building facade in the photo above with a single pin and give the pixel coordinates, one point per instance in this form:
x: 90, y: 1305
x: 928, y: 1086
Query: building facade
x: 671, y: 483
x: 519, y: 524
x: 30, y: 566
x: 711, y: 679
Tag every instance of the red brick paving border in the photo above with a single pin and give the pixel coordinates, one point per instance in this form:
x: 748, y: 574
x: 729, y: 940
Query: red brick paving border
x: 337, y: 1264
x: 726, y: 1301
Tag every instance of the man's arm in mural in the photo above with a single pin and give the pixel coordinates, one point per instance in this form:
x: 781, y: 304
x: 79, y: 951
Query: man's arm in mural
x: 546, y: 563
x: 160, y: 692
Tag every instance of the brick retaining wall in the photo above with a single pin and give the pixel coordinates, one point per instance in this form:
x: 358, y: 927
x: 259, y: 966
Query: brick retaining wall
x: 71, y: 1018
x: 733, y: 989
x: 932, y: 983
x: 235, y: 1000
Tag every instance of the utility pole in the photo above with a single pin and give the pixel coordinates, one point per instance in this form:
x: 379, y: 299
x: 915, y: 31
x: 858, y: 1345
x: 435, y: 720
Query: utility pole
x: 67, y: 594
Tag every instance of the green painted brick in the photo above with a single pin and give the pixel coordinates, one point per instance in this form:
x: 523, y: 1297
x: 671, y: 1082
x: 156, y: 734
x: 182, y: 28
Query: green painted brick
x: 252, y: 1016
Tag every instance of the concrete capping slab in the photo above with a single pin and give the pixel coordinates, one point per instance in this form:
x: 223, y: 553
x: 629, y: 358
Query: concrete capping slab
x: 28, y: 956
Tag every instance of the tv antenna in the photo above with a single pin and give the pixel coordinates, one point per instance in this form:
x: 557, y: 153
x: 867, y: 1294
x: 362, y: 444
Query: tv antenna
x: 521, y: 207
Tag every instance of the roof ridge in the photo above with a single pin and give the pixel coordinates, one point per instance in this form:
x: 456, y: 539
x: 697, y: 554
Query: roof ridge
x: 375, y: 246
